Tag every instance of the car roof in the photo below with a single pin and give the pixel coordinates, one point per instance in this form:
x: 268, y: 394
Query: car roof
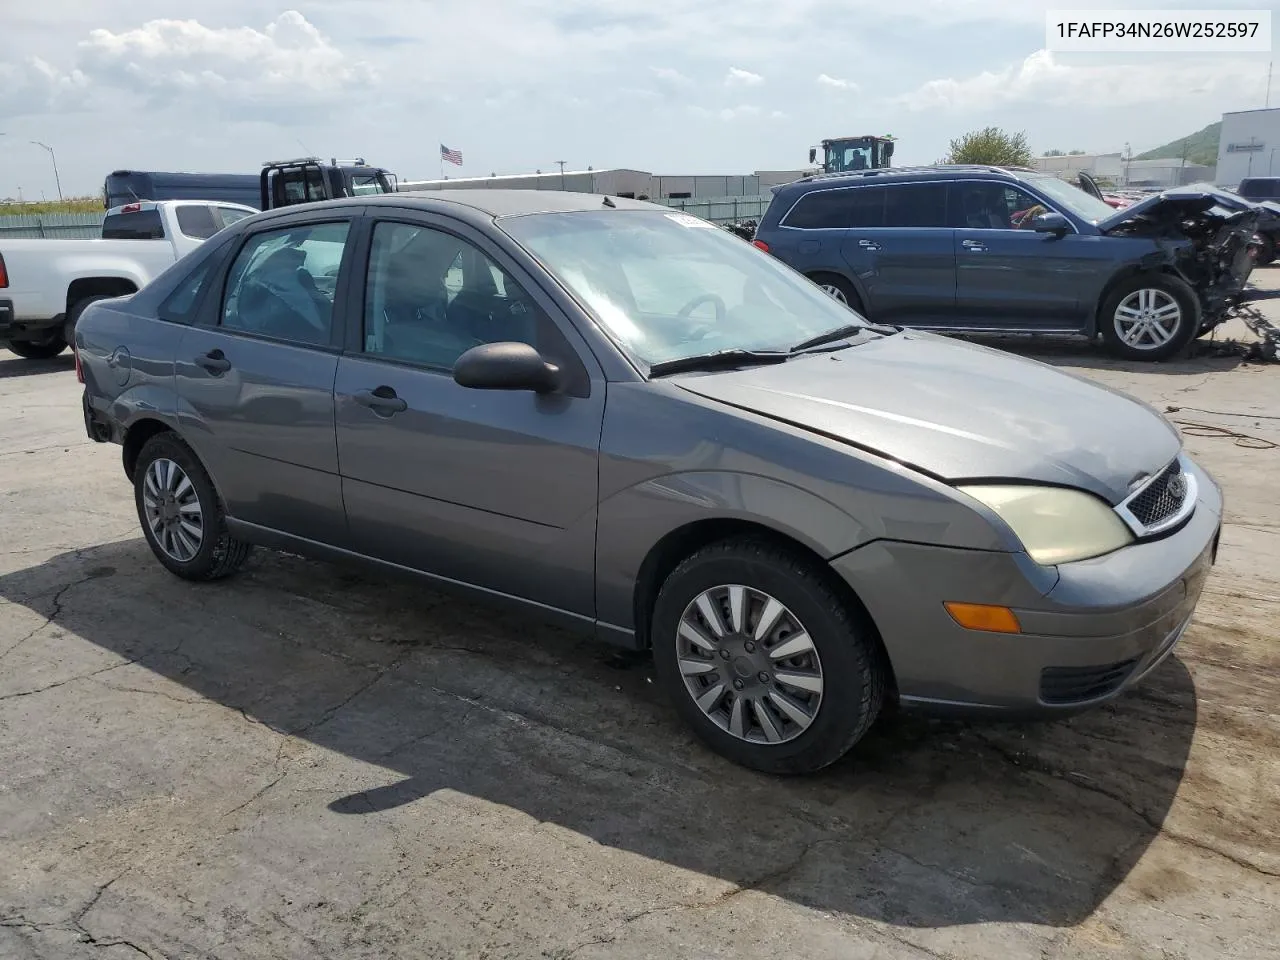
x: 479, y: 204
x: 857, y: 178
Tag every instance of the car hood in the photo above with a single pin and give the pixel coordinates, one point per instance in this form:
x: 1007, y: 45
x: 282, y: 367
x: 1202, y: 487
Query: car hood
x: 958, y: 411
x: 1200, y: 199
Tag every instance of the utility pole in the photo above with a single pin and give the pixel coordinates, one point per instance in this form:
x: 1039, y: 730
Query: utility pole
x: 561, y: 162
x: 1267, y: 103
x: 56, y: 179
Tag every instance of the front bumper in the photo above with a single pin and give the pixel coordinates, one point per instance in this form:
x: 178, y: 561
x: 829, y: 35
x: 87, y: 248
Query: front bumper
x: 1098, y: 628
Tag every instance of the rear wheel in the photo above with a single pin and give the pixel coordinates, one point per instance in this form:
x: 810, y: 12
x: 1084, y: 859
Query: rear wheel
x: 1149, y: 317
x: 39, y: 349
x: 182, y: 517
x: 764, y: 659
x: 73, y: 317
x: 840, y: 289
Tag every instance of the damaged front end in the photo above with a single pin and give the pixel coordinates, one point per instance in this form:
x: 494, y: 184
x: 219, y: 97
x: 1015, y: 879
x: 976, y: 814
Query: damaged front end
x: 1209, y: 236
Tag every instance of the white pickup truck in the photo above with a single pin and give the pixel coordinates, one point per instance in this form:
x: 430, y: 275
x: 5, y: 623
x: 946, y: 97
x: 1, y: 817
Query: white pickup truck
x: 46, y: 284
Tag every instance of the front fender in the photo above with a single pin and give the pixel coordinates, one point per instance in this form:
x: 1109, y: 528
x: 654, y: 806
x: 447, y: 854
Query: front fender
x: 634, y: 520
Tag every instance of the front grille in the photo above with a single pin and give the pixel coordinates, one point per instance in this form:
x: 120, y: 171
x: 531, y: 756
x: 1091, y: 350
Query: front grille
x: 1161, y: 498
x: 1062, y: 685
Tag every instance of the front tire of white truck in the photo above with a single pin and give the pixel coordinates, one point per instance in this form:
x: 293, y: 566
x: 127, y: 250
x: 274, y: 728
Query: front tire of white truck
x: 45, y: 349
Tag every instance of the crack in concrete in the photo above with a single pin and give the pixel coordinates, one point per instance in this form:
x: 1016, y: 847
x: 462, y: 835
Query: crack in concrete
x: 257, y: 796
x: 53, y: 614
x: 331, y: 712
x: 1037, y: 765
x: 75, y: 926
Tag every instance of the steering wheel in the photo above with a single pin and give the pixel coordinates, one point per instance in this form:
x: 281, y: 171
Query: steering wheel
x: 702, y: 298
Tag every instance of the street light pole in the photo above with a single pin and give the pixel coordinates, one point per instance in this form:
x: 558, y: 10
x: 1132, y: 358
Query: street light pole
x: 53, y: 156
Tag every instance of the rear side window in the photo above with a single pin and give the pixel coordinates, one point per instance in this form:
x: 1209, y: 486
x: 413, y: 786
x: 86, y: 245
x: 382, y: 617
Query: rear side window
x: 839, y: 209
x: 142, y: 225
x: 916, y: 205
x: 283, y: 283
x: 197, y: 221
x: 181, y: 305
x: 1260, y: 188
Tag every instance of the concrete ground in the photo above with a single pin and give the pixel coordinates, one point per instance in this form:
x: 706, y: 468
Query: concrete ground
x: 304, y: 762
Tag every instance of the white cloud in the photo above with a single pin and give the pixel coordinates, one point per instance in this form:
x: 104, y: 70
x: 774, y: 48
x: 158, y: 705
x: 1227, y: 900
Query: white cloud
x: 287, y: 60
x: 737, y: 77
x: 836, y: 83
x: 669, y: 75
x: 1043, y: 79
x: 37, y: 86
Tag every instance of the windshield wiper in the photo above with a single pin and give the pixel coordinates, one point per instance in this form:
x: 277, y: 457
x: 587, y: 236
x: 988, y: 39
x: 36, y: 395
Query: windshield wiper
x: 735, y: 357
x: 845, y: 331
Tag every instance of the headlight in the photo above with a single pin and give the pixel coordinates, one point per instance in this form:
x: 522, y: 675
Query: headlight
x: 1055, y: 525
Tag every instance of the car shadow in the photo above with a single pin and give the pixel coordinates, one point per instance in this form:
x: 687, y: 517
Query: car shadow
x: 12, y: 365
x: 926, y: 823
x: 1202, y: 357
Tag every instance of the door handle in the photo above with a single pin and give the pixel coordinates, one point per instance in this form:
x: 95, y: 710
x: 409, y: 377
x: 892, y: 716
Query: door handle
x: 977, y: 246
x: 869, y: 244
x: 382, y: 401
x: 214, y: 361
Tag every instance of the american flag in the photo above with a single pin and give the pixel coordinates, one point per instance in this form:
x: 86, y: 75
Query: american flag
x: 453, y: 156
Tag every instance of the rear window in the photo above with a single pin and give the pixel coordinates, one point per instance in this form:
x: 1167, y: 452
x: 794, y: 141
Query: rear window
x: 839, y: 209
x: 142, y: 225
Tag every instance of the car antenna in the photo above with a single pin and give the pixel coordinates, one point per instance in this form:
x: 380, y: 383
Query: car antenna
x: 608, y: 202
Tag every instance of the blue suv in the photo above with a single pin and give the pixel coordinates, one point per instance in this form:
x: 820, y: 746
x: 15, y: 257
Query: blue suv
x: 994, y: 249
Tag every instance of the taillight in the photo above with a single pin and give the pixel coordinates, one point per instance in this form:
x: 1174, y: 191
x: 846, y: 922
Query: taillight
x: 79, y: 370
x: 131, y: 208
x: 4, y: 274
x: 761, y: 244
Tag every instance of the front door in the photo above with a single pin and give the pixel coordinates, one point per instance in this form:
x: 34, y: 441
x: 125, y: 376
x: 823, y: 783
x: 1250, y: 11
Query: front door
x: 492, y: 489
x: 256, y: 382
x: 1008, y: 276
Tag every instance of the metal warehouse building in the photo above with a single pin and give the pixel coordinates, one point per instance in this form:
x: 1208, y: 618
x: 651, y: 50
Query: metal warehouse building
x: 1250, y: 141
x: 622, y: 182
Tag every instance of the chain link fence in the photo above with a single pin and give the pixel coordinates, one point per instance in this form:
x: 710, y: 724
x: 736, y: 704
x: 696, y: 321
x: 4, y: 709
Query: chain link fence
x: 720, y: 209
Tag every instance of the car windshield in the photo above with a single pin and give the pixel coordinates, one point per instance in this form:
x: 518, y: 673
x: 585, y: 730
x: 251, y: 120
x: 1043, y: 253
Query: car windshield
x: 670, y: 285
x: 1068, y: 195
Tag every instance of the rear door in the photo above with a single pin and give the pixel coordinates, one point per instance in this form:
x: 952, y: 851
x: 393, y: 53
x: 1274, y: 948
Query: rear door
x: 255, y: 378
x: 493, y: 489
x: 902, y: 254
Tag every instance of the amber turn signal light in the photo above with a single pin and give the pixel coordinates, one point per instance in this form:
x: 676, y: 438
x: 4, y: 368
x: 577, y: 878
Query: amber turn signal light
x: 981, y: 616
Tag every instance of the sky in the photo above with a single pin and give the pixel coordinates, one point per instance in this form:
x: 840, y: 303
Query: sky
x: 718, y: 87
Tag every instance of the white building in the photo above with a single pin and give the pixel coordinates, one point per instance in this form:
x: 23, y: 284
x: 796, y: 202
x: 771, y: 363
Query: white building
x: 1162, y: 173
x: 1101, y: 166
x: 1249, y: 144
x: 622, y: 182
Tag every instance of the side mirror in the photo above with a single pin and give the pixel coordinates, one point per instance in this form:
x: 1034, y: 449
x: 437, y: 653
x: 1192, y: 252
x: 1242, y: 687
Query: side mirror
x: 506, y: 366
x: 1054, y: 223
x: 813, y: 154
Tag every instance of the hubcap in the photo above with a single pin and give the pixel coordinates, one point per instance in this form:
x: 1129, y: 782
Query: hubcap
x: 749, y: 664
x: 1147, y: 319
x: 172, y: 510
x: 834, y: 292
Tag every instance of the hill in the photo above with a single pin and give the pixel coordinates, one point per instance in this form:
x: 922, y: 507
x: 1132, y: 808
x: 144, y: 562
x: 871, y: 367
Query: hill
x: 1201, y: 147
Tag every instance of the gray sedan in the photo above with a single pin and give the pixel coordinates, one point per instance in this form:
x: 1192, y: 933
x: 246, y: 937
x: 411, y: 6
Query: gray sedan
x: 625, y: 420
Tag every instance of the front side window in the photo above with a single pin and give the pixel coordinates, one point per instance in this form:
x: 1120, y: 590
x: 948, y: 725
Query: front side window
x: 669, y: 285
x: 229, y: 215
x: 431, y: 296
x: 1069, y: 197
x: 996, y: 206
x: 282, y: 283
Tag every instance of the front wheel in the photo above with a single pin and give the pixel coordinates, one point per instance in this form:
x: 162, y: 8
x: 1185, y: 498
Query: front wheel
x: 1149, y: 317
x: 45, y: 349
x: 764, y: 660
x: 182, y: 517
x: 840, y: 290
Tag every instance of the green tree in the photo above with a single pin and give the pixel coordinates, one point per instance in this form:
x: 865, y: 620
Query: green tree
x: 991, y: 146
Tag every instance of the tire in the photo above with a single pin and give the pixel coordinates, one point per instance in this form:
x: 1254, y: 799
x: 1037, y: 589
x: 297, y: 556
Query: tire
x: 216, y: 553
x: 1149, y: 299
x: 1267, y: 251
x: 838, y: 288
x: 73, y: 317
x: 38, y: 349
x: 844, y: 654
